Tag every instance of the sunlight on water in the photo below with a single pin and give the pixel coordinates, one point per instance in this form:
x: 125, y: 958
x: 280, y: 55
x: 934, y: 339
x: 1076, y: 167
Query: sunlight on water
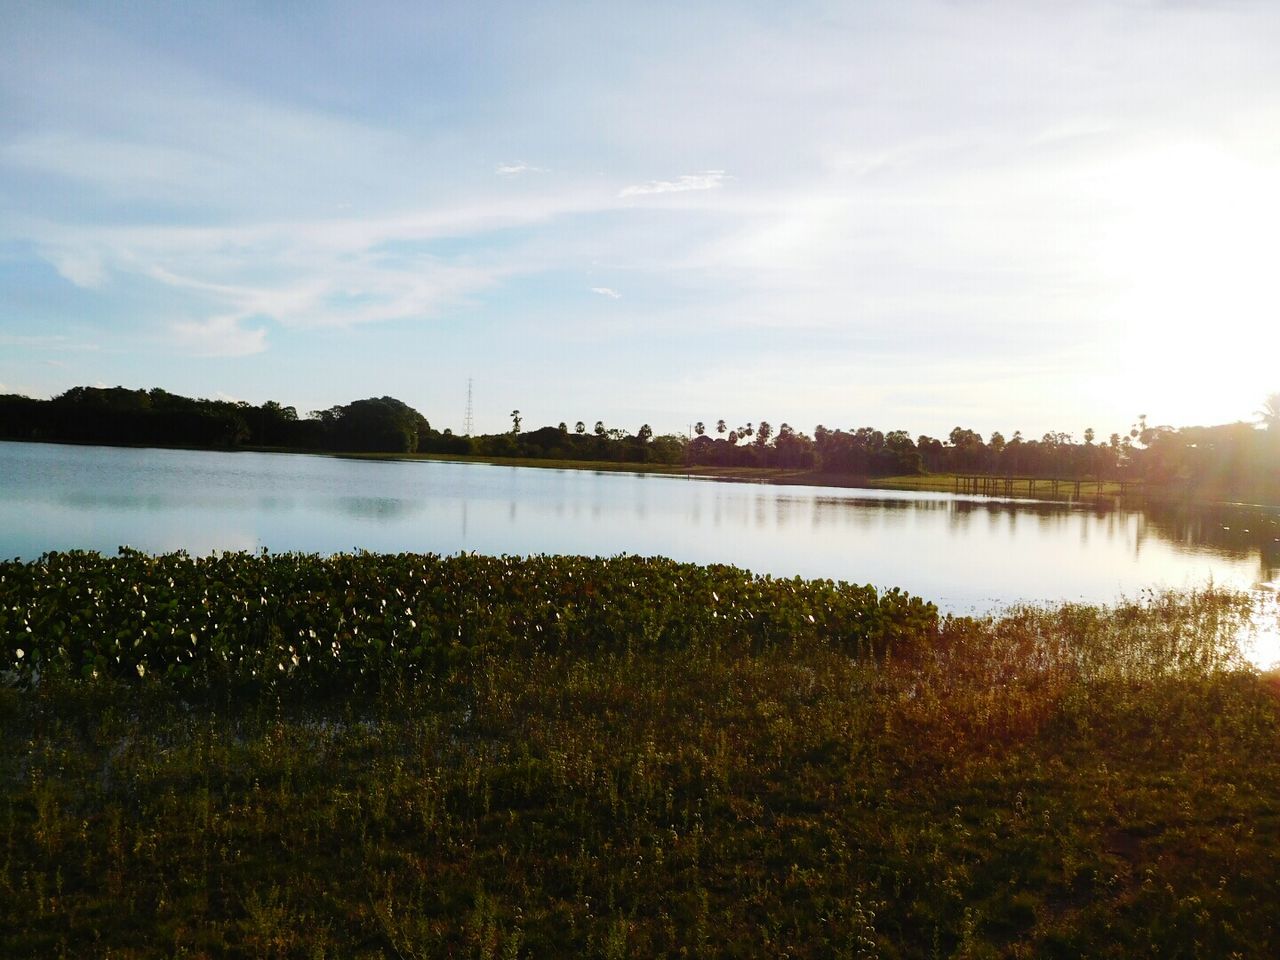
x: 1261, y: 639
x: 968, y: 554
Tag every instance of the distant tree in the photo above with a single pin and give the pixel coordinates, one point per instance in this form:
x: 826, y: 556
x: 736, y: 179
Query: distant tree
x: 645, y: 432
x: 720, y: 427
x: 763, y: 433
x: 1270, y: 412
x: 274, y: 410
x: 563, y: 428
x: 1088, y: 436
x: 1140, y: 431
x: 699, y: 428
x: 599, y: 428
x: 376, y: 424
x: 579, y: 428
x: 733, y: 436
x: 515, y: 421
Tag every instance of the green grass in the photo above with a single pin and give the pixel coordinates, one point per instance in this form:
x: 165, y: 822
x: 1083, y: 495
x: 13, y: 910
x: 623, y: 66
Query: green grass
x: 1055, y: 783
x: 749, y: 474
x: 940, y: 482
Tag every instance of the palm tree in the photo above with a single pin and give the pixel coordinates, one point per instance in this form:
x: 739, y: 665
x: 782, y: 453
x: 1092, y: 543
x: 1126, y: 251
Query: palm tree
x: 1270, y: 412
x: 515, y: 421
x: 720, y: 427
x: 579, y: 427
x: 599, y: 429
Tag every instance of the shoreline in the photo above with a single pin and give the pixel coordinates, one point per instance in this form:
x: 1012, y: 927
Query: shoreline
x: 1140, y: 492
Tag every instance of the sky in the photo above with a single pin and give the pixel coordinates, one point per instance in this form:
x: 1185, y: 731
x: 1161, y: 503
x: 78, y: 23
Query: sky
x: 910, y: 215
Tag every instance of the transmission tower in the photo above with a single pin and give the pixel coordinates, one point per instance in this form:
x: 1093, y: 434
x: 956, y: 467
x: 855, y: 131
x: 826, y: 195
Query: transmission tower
x: 467, y: 424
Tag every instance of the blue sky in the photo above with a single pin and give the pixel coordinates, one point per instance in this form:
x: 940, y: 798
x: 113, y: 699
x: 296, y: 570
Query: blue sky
x: 915, y: 215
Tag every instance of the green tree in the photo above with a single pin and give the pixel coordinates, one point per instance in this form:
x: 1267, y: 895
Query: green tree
x: 515, y: 421
x: 720, y: 427
x: 599, y: 428
x: 699, y: 428
x: 382, y: 424
x: 579, y: 428
x: 645, y: 432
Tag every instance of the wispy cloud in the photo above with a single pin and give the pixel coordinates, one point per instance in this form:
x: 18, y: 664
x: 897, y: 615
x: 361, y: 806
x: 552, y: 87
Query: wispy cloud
x: 24, y: 340
x: 706, y: 180
x: 83, y: 266
x: 224, y: 336
x: 57, y: 342
x: 244, y: 190
x: 517, y: 168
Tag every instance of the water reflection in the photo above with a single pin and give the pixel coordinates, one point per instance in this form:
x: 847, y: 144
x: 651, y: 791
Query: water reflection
x: 970, y: 554
x: 378, y: 509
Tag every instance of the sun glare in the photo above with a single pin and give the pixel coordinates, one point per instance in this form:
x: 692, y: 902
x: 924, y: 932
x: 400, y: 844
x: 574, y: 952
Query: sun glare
x: 1189, y: 261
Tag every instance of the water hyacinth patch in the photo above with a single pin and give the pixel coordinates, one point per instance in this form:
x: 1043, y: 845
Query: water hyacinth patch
x: 358, y: 620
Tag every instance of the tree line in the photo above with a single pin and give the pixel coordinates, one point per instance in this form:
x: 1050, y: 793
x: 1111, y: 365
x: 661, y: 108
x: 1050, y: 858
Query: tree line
x: 117, y: 415
x: 1241, y: 459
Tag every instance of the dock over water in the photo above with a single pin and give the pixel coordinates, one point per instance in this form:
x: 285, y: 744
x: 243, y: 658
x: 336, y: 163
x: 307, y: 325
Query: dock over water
x: 1009, y: 486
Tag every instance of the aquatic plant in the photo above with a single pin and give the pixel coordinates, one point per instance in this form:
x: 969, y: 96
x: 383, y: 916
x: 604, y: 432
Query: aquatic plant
x: 359, y: 620
x: 1056, y: 782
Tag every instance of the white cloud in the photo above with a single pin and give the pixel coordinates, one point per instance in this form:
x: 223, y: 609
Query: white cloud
x: 223, y: 336
x: 58, y: 342
x: 607, y: 292
x: 706, y: 180
x: 26, y: 340
x: 301, y: 274
x: 517, y: 168
x: 84, y: 266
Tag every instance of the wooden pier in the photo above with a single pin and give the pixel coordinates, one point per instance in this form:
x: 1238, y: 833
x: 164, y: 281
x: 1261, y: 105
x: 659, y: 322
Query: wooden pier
x: 996, y: 486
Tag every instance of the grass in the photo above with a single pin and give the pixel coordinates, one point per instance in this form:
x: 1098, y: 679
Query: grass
x: 1058, y: 782
x: 750, y: 474
x: 940, y: 482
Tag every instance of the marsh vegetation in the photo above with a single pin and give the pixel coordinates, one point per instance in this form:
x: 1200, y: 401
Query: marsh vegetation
x: 619, y: 758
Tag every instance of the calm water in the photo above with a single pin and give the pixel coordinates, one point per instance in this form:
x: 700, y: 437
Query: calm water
x: 968, y: 554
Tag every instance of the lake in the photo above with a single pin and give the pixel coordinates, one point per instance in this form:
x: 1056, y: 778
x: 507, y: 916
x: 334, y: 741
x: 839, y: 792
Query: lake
x: 968, y: 554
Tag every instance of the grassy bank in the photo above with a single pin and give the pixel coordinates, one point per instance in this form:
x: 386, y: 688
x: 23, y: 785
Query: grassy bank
x: 938, y: 482
x: 935, y: 482
x: 774, y: 768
